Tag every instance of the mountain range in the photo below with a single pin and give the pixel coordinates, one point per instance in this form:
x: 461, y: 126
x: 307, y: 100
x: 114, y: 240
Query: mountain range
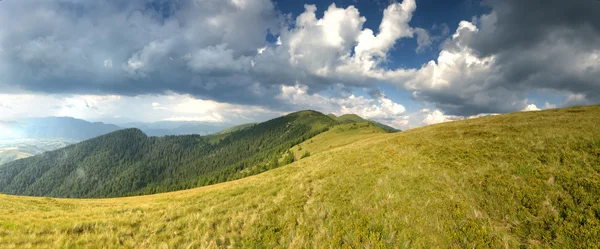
x: 31, y: 136
x: 129, y: 162
x: 521, y: 180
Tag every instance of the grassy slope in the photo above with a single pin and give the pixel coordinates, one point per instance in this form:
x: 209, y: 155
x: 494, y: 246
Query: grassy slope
x: 12, y: 153
x: 337, y: 136
x: 353, y: 118
x: 503, y: 181
x: 350, y: 118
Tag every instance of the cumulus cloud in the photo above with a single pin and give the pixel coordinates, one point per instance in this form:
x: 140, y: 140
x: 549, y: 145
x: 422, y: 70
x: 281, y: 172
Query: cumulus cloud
x: 437, y: 116
x: 379, y: 108
x: 423, y: 39
x: 108, y: 63
x: 575, y: 99
x: 211, y: 49
x: 548, y: 105
x: 491, y: 63
x: 124, y: 109
x: 134, y: 47
x: 177, y: 107
x: 530, y: 107
x: 321, y: 52
x: 215, y: 50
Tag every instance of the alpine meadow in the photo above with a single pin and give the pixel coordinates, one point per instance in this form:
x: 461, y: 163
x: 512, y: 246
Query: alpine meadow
x: 299, y: 124
x: 524, y: 179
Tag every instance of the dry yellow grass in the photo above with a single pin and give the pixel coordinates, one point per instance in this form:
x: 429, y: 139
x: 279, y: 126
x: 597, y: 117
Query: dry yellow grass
x: 525, y: 179
x: 337, y: 136
x: 10, y: 154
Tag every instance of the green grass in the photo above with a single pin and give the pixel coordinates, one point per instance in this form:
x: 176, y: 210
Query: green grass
x: 337, y: 136
x: 518, y: 180
x: 349, y: 118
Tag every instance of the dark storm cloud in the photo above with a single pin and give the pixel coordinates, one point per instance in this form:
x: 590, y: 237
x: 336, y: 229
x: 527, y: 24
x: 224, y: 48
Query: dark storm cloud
x: 522, y: 47
x: 545, y: 45
x: 523, y: 25
x: 135, y: 47
x: 210, y: 49
x: 215, y: 50
x: 539, y: 44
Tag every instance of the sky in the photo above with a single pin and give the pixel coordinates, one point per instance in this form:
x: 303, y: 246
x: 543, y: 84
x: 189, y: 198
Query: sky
x: 403, y: 63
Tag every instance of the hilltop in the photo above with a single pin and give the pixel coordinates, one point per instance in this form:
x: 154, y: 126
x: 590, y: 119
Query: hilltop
x: 347, y: 118
x: 517, y: 180
x: 353, y: 118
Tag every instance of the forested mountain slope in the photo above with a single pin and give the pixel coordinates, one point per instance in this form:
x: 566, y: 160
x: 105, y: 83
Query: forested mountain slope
x: 128, y: 162
x: 236, y: 128
x: 523, y: 180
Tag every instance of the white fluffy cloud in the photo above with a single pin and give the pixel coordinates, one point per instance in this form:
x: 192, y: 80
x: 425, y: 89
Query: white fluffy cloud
x: 175, y: 107
x: 133, y: 47
x: 215, y: 51
x: 437, y: 116
x: 530, y: 107
x: 381, y: 108
x: 461, y: 82
x: 491, y: 63
x: 548, y: 105
x: 123, y: 109
x: 320, y: 52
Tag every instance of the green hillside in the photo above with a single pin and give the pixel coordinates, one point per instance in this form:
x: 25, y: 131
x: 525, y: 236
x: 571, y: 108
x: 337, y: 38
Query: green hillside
x: 128, y: 162
x: 523, y: 180
x: 337, y: 136
x: 350, y: 118
x: 11, y: 153
x: 217, y: 137
x: 236, y: 128
x: 386, y: 128
x: 353, y: 118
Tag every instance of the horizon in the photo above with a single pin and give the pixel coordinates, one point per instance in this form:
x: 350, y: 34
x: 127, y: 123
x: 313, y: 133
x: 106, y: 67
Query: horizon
x: 227, y: 125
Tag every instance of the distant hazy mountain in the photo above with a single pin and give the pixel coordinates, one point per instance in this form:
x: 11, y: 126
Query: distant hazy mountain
x: 31, y: 136
x: 164, y: 128
x: 236, y: 128
x: 55, y: 128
